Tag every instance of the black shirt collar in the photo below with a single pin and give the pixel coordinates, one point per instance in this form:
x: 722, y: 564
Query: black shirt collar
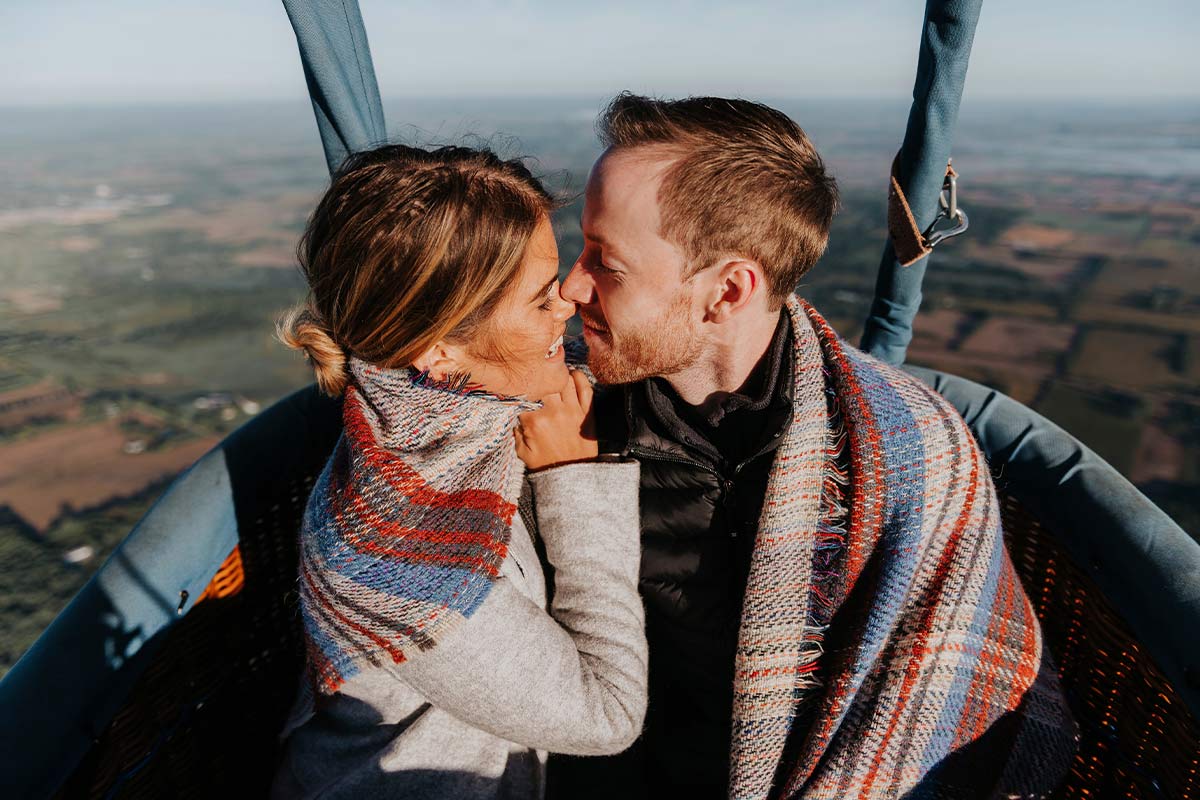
x: 744, y: 422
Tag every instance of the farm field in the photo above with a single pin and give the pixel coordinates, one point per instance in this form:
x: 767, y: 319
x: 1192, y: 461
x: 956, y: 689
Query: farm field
x: 145, y: 253
x: 104, y: 464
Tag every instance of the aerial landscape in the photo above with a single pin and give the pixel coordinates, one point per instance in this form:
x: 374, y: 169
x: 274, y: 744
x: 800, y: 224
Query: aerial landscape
x: 145, y: 253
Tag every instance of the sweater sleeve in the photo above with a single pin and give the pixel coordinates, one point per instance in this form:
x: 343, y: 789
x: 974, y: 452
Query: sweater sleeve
x: 574, y: 680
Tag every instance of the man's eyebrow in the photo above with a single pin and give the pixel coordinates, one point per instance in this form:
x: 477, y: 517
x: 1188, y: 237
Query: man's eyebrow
x: 599, y: 239
x: 545, y: 290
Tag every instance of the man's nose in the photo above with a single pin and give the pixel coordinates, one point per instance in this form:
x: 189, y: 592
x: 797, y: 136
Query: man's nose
x: 577, y: 287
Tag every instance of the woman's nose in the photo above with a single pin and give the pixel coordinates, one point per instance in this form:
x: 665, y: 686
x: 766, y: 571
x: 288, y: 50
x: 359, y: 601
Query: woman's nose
x: 565, y: 309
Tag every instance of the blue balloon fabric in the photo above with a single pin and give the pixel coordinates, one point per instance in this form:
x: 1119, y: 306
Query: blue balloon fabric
x: 946, y: 38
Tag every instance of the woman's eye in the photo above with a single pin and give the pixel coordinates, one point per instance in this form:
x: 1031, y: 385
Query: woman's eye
x: 547, y: 304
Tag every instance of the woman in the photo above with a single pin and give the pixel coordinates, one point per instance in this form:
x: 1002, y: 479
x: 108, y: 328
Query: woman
x: 435, y: 666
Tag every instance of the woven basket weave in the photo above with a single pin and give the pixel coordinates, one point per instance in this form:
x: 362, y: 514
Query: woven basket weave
x: 1139, y: 739
x: 205, y: 717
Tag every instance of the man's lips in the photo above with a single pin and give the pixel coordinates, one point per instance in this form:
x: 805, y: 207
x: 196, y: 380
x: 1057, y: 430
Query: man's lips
x: 592, y: 326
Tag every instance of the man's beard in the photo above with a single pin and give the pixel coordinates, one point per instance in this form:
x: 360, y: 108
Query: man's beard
x: 665, y: 345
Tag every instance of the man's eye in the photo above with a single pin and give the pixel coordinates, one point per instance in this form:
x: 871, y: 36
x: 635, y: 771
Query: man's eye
x: 600, y: 266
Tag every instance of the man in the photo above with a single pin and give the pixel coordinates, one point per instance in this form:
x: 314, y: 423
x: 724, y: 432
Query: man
x: 829, y: 606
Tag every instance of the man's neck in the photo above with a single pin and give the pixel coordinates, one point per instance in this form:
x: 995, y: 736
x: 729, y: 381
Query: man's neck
x: 726, y: 363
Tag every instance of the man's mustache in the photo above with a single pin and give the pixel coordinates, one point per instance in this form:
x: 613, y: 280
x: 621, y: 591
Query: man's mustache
x: 592, y: 323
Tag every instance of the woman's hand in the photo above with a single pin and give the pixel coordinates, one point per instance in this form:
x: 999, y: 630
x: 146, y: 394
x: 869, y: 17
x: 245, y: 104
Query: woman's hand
x: 561, y: 431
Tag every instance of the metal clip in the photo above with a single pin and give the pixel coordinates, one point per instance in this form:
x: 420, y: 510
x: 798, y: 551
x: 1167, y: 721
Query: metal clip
x: 948, y: 200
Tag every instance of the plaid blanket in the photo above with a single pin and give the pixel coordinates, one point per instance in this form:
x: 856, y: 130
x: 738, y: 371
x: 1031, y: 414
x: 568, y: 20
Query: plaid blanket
x: 911, y: 654
x: 408, y: 524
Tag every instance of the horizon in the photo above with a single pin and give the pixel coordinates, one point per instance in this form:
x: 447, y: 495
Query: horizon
x: 1042, y: 102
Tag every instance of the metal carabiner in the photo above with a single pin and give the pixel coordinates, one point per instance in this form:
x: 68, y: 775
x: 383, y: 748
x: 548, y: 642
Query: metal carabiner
x: 933, y: 238
x: 949, y: 187
x: 948, y: 200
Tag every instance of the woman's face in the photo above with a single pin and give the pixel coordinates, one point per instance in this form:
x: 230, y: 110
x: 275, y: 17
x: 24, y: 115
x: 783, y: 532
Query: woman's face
x: 521, y: 352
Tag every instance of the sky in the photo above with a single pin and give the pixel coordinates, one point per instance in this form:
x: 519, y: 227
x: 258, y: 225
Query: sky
x: 69, y: 52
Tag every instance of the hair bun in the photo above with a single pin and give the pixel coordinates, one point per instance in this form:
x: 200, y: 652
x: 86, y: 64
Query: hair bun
x: 303, y: 329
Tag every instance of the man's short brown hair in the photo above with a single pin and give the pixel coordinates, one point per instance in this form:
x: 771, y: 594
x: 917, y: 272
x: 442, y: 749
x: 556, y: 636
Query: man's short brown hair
x: 745, y: 181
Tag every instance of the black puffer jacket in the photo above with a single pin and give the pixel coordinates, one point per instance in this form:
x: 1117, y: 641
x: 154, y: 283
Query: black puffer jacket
x: 702, y: 488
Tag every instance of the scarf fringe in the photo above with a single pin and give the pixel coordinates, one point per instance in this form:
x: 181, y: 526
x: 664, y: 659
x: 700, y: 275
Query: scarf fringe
x: 829, y: 547
x: 458, y: 383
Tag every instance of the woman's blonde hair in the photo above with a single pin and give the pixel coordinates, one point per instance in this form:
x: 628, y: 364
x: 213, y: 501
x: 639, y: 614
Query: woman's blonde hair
x: 409, y: 247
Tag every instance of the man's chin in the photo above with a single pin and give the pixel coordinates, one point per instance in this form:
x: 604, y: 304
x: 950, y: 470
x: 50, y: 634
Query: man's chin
x: 610, y: 370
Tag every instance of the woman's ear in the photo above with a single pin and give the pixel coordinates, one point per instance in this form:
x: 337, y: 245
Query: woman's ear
x: 441, y: 361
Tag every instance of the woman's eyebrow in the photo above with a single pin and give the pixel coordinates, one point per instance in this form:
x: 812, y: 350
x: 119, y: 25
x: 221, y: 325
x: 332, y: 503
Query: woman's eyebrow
x: 545, y: 290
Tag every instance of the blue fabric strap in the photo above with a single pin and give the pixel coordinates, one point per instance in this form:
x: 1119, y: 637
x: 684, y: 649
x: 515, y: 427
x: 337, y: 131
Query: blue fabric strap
x: 340, y: 75
x: 921, y: 166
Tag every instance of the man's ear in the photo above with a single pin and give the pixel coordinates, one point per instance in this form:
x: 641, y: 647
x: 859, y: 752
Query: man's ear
x: 738, y: 281
x: 441, y: 360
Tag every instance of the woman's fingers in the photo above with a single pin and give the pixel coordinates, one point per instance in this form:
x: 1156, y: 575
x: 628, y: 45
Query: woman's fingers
x: 559, y: 432
x: 570, y: 394
x: 573, y: 394
x: 583, y: 388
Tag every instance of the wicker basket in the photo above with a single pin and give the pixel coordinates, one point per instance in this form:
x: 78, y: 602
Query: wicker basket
x: 1139, y: 739
x: 205, y: 717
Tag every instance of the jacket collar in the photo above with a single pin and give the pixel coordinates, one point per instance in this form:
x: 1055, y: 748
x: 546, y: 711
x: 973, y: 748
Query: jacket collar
x: 651, y: 423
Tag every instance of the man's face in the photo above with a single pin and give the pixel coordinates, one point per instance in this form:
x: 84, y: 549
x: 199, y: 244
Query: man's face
x: 640, y: 318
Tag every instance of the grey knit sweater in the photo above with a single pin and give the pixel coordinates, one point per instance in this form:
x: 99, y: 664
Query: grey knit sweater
x: 474, y: 716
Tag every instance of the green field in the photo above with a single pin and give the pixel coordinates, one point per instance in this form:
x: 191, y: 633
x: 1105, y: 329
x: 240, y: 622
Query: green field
x: 145, y: 254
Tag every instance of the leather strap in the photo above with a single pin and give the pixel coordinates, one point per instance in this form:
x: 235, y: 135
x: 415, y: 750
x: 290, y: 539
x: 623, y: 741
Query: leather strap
x: 908, y: 241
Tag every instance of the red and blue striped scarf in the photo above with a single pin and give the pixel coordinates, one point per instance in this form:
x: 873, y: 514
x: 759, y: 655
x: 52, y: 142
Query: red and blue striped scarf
x: 409, y: 522
x: 905, y: 644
